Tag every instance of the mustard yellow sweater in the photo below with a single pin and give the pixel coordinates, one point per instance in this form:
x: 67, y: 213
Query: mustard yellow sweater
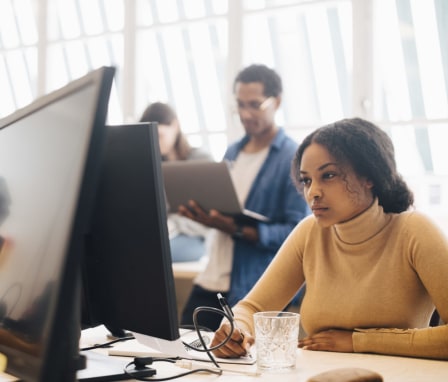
x: 378, y: 274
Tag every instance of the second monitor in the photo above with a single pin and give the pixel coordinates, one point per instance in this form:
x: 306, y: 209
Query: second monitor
x: 128, y: 279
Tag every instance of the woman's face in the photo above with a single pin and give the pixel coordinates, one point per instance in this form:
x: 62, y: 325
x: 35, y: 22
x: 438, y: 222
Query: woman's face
x: 334, y: 192
x: 167, y: 138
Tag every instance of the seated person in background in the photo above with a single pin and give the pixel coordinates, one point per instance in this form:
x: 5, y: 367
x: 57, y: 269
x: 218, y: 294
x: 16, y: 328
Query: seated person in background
x: 239, y: 253
x: 375, y: 269
x: 186, y: 237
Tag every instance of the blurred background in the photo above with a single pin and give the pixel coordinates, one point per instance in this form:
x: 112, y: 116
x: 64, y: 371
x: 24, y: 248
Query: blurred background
x: 384, y: 60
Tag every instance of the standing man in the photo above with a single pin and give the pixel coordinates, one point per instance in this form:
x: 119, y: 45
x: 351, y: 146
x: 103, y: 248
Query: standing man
x: 261, y: 162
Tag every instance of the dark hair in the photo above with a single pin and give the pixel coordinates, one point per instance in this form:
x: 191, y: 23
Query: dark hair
x: 164, y: 114
x: 272, y: 83
x: 159, y: 112
x: 369, y: 151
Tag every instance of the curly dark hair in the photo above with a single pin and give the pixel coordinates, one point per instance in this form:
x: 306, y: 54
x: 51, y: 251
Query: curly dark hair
x: 272, y: 83
x: 369, y: 151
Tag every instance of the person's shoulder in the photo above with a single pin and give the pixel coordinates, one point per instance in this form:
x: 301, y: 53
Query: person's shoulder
x: 307, y: 224
x: 283, y: 146
x: 416, y: 222
x: 234, y: 145
x: 234, y: 148
x: 285, y: 139
x: 291, y: 143
x: 413, y: 217
x: 306, y: 231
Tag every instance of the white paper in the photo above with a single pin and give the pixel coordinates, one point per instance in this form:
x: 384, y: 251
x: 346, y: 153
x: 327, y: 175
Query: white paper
x: 147, y: 346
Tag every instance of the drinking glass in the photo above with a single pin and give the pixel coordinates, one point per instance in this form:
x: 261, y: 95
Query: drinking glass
x: 276, y: 340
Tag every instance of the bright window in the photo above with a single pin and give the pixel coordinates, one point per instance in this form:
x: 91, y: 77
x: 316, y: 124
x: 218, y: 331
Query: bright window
x: 385, y: 60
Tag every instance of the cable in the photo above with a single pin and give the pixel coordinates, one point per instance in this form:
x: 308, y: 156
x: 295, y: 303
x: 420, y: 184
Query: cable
x: 186, y: 364
x: 107, y: 344
x: 213, y: 310
x: 206, y: 349
x: 140, y: 363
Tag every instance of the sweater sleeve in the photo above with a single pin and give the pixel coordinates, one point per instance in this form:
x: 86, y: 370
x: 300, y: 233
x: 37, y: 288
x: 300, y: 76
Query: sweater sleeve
x: 268, y: 293
x: 428, y: 254
x: 429, y: 342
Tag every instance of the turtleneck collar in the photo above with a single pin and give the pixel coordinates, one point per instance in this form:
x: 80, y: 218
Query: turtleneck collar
x: 364, y: 226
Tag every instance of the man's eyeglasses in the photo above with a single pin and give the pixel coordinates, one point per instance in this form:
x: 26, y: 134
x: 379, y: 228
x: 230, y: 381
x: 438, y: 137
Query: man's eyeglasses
x: 254, y: 106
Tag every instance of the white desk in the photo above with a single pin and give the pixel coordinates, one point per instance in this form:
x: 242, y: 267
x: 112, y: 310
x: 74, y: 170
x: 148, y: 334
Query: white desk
x: 309, y: 363
x: 189, y: 269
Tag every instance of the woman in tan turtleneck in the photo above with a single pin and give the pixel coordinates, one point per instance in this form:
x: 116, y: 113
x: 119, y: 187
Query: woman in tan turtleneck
x: 374, y: 268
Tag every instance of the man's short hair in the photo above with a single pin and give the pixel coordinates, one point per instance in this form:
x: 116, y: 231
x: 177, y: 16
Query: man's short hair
x: 272, y: 83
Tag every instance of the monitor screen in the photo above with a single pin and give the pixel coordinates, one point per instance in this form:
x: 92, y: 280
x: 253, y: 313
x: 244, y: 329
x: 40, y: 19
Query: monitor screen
x: 48, y: 167
x: 128, y: 280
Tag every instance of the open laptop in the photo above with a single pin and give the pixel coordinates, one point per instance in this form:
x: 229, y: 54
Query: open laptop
x: 209, y: 184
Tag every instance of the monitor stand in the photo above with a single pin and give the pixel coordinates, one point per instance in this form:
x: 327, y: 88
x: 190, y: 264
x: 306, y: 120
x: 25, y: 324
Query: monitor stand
x: 102, y: 368
x: 117, y: 332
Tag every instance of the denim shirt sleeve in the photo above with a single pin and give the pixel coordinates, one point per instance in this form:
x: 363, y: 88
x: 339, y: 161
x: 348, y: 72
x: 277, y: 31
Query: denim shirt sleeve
x: 294, y: 209
x: 273, y: 193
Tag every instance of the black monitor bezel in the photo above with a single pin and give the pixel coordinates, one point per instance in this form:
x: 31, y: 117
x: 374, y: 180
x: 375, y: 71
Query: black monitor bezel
x: 60, y: 358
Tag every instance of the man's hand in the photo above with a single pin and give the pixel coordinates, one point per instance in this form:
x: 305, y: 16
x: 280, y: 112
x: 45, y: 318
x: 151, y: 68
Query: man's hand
x: 237, y: 346
x: 213, y: 219
x: 329, y: 340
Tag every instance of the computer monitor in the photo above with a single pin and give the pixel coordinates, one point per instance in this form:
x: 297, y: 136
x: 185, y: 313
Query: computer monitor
x: 48, y: 165
x: 128, y: 280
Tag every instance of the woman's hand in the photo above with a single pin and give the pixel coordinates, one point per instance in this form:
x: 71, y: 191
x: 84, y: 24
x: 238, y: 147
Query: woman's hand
x: 237, y: 346
x: 329, y: 340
